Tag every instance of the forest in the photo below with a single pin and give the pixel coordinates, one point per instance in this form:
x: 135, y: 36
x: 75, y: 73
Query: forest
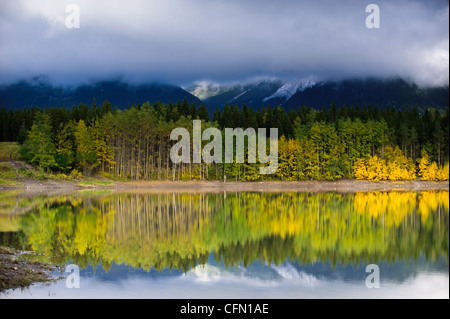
x: 366, y: 143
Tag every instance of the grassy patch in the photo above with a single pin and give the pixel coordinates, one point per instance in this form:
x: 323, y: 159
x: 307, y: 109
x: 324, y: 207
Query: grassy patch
x: 7, y: 148
x: 92, y: 183
x: 112, y: 177
x: 25, y: 173
x: 7, y: 172
x: 8, y: 175
x: 7, y: 183
x: 32, y: 174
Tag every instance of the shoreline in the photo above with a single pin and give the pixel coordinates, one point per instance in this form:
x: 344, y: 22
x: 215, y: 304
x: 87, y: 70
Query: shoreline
x: 341, y: 186
x: 19, y: 272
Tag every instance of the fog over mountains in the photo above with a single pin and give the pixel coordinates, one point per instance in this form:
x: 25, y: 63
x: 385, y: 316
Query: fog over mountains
x: 40, y: 92
x: 294, y: 48
x: 394, y: 92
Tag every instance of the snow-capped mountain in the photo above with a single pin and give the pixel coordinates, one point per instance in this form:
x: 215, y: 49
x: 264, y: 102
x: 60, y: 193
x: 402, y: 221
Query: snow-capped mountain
x: 289, y: 89
x: 204, y: 89
x: 395, y: 92
x: 252, y: 94
x: 266, y: 92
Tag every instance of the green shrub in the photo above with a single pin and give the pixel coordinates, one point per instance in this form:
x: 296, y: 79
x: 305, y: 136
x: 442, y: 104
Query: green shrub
x: 40, y: 176
x: 25, y: 173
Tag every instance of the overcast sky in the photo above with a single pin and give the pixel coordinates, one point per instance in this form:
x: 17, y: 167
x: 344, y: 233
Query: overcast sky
x: 183, y: 41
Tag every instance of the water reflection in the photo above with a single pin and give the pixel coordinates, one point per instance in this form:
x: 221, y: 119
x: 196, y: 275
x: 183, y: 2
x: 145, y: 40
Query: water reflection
x: 273, y: 234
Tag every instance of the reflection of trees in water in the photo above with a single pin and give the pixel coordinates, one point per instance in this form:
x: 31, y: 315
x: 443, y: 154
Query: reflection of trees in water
x: 180, y: 230
x: 159, y: 230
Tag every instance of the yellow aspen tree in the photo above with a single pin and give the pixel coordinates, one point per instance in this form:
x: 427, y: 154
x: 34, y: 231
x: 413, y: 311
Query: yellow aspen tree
x: 443, y: 174
x: 360, y: 169
x: 424, y: 162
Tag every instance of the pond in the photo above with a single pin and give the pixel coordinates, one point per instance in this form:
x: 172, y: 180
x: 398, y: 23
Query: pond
x: 141, y: 244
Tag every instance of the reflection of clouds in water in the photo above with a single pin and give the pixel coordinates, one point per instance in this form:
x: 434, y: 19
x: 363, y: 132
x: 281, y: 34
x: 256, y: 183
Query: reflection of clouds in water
x: 289, y: 272
x: 219, y: 274
x: 214, y: 281
x: 269, y: 275
x: 207, y: 273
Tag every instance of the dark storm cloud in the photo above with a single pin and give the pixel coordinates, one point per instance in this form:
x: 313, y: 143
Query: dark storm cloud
x: 181, y: 41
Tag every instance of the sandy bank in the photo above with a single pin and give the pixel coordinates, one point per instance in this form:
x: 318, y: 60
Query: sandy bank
x: 342, y: 186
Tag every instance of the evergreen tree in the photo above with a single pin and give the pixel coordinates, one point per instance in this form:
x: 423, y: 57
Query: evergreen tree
x: 65, y: 147
x: 86, y: 153
x: 39, y: 148
x: 203, y: 113
x: 217, y: 117
x: 23, y: 134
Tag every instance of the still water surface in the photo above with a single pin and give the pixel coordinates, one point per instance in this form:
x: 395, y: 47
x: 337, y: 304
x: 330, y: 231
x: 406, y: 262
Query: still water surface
x: 235, y: 245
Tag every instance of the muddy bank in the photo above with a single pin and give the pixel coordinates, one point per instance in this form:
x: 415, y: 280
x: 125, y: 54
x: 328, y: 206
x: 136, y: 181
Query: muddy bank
x: 342, y: 186
x: 18, y: 272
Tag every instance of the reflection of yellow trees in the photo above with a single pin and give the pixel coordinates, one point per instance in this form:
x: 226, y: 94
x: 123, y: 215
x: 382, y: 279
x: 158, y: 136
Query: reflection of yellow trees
x: 90, y: 231
x: 391, y: 207
x: 430, y: 202
x: 180, y: 230
x: 394, y: 207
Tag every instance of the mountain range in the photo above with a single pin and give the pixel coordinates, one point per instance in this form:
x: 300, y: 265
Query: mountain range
x: 39, y: 92
x: 394, y: 92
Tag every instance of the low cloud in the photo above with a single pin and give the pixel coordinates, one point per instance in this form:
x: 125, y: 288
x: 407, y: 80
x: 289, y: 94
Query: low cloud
x: 182, y: 41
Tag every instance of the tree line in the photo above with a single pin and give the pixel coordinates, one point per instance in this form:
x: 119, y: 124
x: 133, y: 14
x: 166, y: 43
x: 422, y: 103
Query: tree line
x: 339, y: 142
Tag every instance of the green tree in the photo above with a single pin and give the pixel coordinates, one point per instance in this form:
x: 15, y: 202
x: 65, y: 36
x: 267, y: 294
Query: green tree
x: 203, y: 113
x: 39, y: 148
x: 23, y: 134
x: 86, y: 153
x: 65, y: 147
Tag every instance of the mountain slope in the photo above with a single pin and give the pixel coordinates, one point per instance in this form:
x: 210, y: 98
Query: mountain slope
x: 288, y: 90
x: 250, y: 94
x: 289, y: 95
x: 394, y: 92
x: 118, y: 93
